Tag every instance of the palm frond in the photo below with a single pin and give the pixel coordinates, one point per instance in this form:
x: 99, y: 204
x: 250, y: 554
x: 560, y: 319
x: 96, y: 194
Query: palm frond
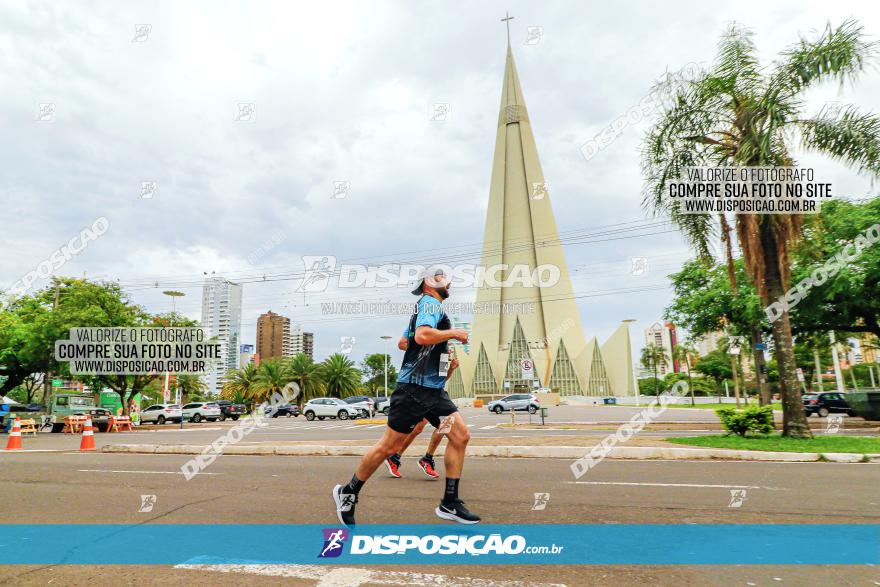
x: 850, y: 137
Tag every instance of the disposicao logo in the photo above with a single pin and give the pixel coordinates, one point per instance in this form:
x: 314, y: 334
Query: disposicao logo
x: 334, y: 540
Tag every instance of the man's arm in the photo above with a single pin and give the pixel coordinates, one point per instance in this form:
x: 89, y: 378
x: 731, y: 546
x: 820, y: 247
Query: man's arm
x: 426, y: 335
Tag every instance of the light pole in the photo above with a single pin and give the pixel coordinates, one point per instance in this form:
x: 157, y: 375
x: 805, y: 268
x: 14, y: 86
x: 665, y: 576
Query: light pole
x: 629, y: 321
x: 173, y: 295
x: 386, y: 338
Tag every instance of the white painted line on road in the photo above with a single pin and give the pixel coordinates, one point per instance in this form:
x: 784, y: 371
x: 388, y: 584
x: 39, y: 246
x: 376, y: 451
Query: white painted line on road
x: 489, y: 427
x: 329, y: 576
x: 669, y: 485
x: 376, y: 426
x: 186, y: 429
x: 143, y: 472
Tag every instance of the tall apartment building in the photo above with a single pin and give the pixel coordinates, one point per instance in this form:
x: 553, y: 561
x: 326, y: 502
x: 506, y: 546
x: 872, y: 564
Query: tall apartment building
x: 245, y: 355
x: 273, y: 336
x: 664, y: 336
x: 221, y: 318
x: 708, y: 342
x: 302, y: 342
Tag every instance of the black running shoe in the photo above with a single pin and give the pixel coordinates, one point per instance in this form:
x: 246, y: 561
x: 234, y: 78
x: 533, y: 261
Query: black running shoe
x: 456, y: 512
x: 345, y: 503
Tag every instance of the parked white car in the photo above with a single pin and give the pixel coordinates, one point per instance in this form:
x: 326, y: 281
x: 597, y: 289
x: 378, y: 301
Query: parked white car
x: 198, y: 411
x: 329, y: 407
x: 161, y: 413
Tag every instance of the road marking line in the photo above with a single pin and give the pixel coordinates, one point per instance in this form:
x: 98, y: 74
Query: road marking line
x: 375, y: 426
x: 489, y: 427
x: 668, y: 484
x: 328, y: 576
x: 144, y: 472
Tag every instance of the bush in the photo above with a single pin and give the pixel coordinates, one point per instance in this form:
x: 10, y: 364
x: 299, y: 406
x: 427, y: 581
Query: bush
x: 756, y: 419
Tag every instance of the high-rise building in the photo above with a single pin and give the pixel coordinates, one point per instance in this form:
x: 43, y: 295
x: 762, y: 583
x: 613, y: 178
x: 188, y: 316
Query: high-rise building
x: 664, y: 336
x: 221, y: 318
x: 273, y: 336
x: 521, y: 237
x: 302, y: 342
x: 708, y: 343
x: 245, y: 355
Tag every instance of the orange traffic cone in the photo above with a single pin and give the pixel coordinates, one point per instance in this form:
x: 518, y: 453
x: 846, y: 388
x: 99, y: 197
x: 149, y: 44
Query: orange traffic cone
x: 88, y: 437
x: 14, y: 436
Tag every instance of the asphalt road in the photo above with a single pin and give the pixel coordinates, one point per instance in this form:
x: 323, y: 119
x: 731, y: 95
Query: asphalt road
x: 482, y: 424
x: 52, y: 487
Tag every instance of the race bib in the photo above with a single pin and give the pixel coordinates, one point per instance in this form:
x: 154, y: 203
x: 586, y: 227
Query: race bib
x: 444, y: 364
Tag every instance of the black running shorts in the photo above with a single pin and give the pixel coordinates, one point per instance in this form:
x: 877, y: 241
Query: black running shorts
x: 410, y: 403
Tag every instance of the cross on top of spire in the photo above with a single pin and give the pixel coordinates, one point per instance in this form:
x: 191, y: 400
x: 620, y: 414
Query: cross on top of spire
x: 507, y: 18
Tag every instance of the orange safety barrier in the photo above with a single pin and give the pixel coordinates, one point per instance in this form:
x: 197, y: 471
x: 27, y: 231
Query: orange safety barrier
x: 88, y: 436
x: 74, y: 424
x: 15, y: 436
x: 29, y: 426
x: 478, y: 403
x: 118, y: 423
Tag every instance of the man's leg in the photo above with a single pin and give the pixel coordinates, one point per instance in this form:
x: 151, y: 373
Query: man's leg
x: 393, y: 462
x: 426, y: 463
x: 346, y: 495
x: 451, y: 507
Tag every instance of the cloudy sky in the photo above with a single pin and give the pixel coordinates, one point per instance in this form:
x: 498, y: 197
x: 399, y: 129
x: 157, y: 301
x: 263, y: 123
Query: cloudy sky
x: 342, y: 92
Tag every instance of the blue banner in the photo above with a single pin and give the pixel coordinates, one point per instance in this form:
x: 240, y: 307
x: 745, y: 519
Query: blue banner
x: 648, y: 544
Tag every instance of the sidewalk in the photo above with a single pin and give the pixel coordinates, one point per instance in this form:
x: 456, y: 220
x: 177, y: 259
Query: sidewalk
x: 560, y: 448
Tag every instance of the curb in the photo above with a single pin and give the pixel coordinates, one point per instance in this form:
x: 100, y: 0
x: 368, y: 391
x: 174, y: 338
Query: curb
x: 557, y: 452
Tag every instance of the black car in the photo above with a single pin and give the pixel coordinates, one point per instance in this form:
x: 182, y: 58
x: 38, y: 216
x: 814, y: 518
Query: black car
x: 825, y: 403
x: 231, y: 410
x: 284, y: 410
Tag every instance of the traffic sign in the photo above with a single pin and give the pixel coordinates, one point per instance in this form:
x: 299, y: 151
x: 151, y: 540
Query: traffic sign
x: 527, y: 368
x: 57, y: 383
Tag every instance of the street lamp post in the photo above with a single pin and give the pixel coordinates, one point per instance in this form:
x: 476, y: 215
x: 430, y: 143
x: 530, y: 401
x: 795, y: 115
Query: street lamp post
x: 386, y: 338
x: 173, y: 295
x: 629, y: 321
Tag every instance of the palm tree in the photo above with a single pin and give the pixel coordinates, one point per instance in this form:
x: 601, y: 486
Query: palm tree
x: 652, y: 356
x: 190, y: 386
x: 737, y: 113
x: 273, y: 375
x: 240, y: 384
x: 307, y: 375
x: 340, y: 375
x: 685, y: 351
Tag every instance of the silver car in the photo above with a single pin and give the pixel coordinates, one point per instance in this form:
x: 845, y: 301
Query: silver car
x: 515, y: 401
x: 329, y: 407
x: 161, y: 413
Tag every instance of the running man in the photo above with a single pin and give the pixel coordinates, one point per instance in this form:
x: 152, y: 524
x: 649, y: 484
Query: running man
x: 426, y: 463
x: 419, y: 395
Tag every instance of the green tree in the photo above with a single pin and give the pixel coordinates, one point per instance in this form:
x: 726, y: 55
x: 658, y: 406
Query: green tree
x: 191, y: 387
x: 273, y: 375
x: 848, y: 300
x: 653, y: 356
x: 307, y: 375
x: 241, y: 384
x: 686, y: 353
x: 373, y: 369
x: 340, y: 376
x: 715, y: 365
x: 705, y: 300
x: 740, y: 113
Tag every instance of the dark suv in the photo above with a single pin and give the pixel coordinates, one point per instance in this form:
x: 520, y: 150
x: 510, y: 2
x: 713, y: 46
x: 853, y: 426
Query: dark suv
x: 825, y: 403
x: 231, y: 410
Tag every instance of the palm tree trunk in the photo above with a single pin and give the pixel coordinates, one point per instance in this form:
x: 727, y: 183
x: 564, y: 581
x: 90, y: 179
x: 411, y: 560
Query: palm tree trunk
x: 757, y: 335
x: 760, y: 367
x: 735, y: 379
x: 794, y: 420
